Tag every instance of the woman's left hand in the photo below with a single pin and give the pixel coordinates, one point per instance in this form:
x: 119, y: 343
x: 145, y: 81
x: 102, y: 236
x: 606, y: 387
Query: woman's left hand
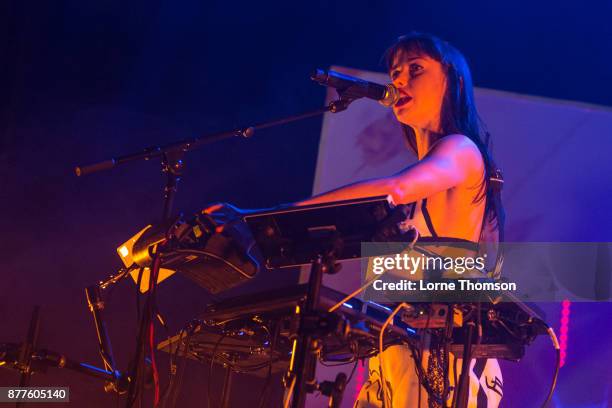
x: 224, y: 213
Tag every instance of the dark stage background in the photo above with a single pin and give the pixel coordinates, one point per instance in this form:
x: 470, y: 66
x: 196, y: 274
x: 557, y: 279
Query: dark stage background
x: 86, y: 81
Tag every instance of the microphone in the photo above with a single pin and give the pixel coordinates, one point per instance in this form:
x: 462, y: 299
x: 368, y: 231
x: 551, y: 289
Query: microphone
x: 354, y: 88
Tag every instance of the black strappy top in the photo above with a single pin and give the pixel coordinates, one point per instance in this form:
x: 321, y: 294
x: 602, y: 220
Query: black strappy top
x: 432, y: 231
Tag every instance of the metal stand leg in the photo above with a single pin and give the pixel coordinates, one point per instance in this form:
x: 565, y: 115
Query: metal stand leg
x: 463, y: 388
x: 25, y: 355
x: 302, y: 371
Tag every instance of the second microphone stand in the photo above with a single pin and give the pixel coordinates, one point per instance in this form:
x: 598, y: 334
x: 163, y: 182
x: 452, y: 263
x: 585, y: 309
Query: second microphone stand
x: 172, y: 166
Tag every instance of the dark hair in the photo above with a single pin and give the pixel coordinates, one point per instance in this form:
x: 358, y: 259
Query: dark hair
x: 458, y: 113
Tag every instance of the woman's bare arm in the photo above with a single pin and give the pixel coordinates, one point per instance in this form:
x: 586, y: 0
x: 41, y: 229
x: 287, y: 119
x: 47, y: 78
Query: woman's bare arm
x: 452, y: 161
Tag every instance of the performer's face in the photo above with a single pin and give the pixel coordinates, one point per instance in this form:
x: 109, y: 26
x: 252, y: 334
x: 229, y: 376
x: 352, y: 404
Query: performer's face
x: 421, y: 81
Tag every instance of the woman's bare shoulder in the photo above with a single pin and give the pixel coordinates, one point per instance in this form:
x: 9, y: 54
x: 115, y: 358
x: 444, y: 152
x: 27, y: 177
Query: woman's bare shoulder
x: 460, y: 149
x: 456, y: 142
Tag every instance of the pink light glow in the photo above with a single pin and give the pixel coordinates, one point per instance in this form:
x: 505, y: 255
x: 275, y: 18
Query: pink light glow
x: 564, y: 329
x: 359, y: 380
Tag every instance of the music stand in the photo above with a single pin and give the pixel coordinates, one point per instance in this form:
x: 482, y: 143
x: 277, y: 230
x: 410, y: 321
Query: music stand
x: 319, y: 235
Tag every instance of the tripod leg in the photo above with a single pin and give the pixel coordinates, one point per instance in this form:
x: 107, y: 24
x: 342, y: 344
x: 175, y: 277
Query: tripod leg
x: 25, y: 355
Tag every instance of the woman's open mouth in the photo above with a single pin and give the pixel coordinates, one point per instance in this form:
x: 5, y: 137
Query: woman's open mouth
x: 402, y: 101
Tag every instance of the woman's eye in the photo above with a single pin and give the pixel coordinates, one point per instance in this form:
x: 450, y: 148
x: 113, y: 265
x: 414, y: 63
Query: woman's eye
x: 394, y: 74
x: 415, y: 69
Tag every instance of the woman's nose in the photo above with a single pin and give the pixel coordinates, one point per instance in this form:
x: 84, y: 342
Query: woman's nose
x: 400, y: 81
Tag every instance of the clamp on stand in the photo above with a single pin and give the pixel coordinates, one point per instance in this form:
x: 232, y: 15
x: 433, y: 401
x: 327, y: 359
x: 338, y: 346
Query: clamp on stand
x: 334, y: 390
x: 172, y: 165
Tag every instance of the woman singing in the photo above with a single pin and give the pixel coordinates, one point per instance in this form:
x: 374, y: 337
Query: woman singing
x: 457, y: 190
x: 456, y: 186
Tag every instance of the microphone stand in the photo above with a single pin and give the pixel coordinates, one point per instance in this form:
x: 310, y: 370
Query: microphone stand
x: 172, y: 152
x: 172, y: 165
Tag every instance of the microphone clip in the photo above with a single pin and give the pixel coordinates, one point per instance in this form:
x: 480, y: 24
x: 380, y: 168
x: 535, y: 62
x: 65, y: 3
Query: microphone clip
x: 340, y: 105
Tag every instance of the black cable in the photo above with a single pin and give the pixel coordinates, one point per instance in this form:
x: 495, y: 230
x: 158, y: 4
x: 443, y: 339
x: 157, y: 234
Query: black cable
x: 448, y: 334
x: 138, y: 282
x: 136, y: 386
x: 136, y: 366
x: 479, y: 323
x: 209, y: 254
x: 164, y: 395
x: 181, y: 371
x: 272, y: 340
x: 262, y: 397
x: 339, y: 363
x: 422, y: 378
x: 138, y: 319
x: 153, y: 309
x: 210, y: 370
x: 172, y: 372
x: 421, y: 375
x: 455, y: 378
x: 147, y: 323
x: 238, y: 368
x: 352, y: 371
